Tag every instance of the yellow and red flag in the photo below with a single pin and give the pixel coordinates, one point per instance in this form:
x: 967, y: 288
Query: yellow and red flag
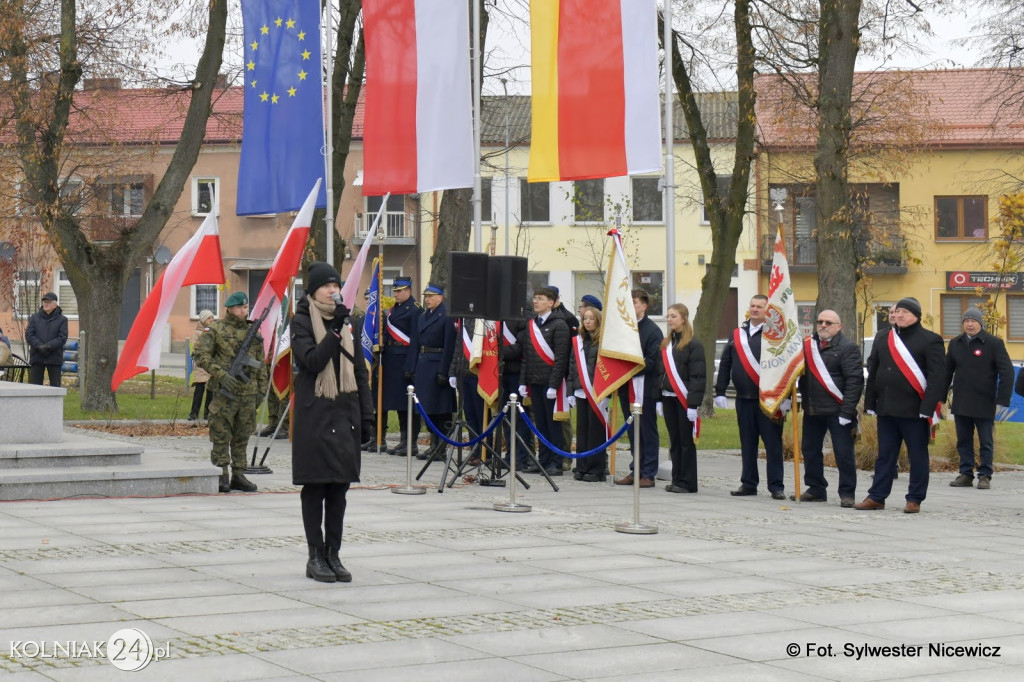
x: 619, y: 354
x: 484, y: 359
x: 782, y: 347
x: 595, y: 89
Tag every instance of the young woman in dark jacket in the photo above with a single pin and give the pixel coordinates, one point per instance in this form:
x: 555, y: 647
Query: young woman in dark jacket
x: 590, y: 427
x: 332, y: 410
x: 687, y: 371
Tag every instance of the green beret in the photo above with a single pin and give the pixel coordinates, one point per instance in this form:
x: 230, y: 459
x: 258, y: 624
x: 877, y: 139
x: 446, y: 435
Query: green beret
x: 237, y: 298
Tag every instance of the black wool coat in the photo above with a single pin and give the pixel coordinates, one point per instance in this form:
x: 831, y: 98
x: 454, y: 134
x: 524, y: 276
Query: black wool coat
x: 842, y: 358
x: 692, y: 369
x: 980, y: 373
x: 888, y: 392
x: 730, y: 367
x: 327, y: 432
x: 46, y: 335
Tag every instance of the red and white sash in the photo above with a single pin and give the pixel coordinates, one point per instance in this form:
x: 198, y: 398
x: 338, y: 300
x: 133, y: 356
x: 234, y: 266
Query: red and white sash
x: 510, y: 338
x: 746, y: 356
x: 682, y: 394
x: 599, y: 409
x: 911, y: 371
x: 467, y: 343
x: 819, y: 370
x: 399, y: 337
x: 543, y: 348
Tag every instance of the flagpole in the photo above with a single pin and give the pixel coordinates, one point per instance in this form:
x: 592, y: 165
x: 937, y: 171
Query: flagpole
x: 380, y: 343
x: 670, y: 171
x: 477, y: 184
x: 796, y: 447
x: 329, y: 139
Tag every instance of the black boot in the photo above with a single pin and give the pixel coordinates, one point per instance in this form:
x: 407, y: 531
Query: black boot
x: 317, y: 568
x: 224, y: 484
x: 341, y: 574
x: 192, y: 417
x: 240, y: 482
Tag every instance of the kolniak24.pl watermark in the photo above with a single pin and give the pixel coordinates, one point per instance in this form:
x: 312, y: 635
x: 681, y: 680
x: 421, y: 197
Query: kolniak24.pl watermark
x: 129, y: 649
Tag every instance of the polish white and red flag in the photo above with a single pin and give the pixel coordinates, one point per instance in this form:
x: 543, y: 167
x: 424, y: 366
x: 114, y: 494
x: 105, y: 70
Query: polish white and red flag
x: 198, y: 262
x: 418, y: 129
x: 284, y: 268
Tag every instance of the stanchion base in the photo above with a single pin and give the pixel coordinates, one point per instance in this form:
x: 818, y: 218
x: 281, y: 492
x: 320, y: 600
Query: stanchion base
x: 635, y: 528
x: 493, y: 482
x: 258, y: 470
x: 506, y: 507
x: 408, y: 490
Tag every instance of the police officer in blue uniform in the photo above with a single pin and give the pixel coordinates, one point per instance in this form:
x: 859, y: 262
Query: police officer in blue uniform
x: 433, y: 344
x: 396, y: 338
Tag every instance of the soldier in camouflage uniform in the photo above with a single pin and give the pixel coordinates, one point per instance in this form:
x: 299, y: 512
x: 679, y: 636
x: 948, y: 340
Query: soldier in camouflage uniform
x: 232, y: 420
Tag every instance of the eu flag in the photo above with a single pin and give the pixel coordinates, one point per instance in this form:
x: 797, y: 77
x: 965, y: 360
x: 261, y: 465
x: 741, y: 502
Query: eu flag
x: 370, y: 335
x: 282, y: 125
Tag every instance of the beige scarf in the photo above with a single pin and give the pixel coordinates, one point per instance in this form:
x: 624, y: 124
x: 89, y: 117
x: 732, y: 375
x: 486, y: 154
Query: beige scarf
x: 327, y: 380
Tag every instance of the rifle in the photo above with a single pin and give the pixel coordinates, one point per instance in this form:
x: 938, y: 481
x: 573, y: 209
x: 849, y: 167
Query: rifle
x: 242, y: 359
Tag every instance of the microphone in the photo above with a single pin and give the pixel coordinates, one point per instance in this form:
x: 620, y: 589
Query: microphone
x: 336, y: 297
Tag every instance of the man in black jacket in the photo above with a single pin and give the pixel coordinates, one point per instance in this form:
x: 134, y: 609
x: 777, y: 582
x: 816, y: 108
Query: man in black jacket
x: 545, y: 351
x: 741, y: 363
x: 46, y: 334
x: 900, y: 359
x: 650, y: 441
x: 979, y: 369
x: 830, y: 387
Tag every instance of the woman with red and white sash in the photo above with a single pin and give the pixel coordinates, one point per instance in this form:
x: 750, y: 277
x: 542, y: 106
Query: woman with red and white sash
x: 591, y: 417
x: 683, y: 377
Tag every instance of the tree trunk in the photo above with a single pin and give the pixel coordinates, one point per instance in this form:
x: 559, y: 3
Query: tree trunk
x: 727, y: 216
x: 839, y: 42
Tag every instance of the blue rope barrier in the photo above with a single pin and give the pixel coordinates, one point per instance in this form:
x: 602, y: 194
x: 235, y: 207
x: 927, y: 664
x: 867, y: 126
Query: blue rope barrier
x: 573, y: 455
x: 467, y: 444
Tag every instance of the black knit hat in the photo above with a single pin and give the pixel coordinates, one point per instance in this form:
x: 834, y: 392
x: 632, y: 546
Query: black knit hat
x: 320, y: 274
x: 910, y: 303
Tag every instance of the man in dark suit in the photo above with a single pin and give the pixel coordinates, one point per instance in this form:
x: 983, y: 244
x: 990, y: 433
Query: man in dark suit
x: 981, y: 374
x: 906, y: 383
x: 830, y: 387
x: 650, y: 441
x: 741, y: 363
x: 396, y: 338
x: 430, y: 356
x: 545, y: 352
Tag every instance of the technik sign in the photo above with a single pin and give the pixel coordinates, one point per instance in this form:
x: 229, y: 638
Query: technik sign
x: 962, y: 280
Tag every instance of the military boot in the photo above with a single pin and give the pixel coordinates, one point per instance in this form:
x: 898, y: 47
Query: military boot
x: 224, y: 484
x: 341, y: 574
x: 317, y: 568
x: 240, y: 482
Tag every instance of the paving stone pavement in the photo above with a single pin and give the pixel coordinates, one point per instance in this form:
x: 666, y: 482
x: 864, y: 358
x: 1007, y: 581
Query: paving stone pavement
x: 447, y: 588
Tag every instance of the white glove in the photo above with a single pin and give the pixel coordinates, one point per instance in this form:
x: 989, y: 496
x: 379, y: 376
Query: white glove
x: 721, y: 402
x: 571, y: 400
x: 452, y: 381
x: 659, y: 408
x: 579, y: 393
x: 843, y: 421
x: 551, y: 394
x: 785, y: 406
x: 522, y: 392
x: 691, y: 415
x: 925, y: 416
x: 871, y: 412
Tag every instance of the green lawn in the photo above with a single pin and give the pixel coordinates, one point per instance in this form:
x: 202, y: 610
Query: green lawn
x: 173, y: 400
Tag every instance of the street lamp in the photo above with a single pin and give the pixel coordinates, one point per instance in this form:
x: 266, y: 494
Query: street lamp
x: 508, y: 125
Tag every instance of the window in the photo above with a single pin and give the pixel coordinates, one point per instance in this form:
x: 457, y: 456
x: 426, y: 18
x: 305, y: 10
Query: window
x: 1015, y: 317
x: 27, y: 292
x: 652, y: 283
x: 205, y: 196
x: 72, y: 196
x: 723, y: 183
x: 961, y: 217
x: 486, y: 212
x: 534, y: 201
x: 387, y: 280
x: 586, y: 283
x: 588, y: 199
x: 66, y: 298
x: 953, y: 309
x: 126, y: 200
x: 298, y: 292
x: 534, y: 281
x: 647, y: 200
x: 396, y: 204
x: 882, y: 316
x: 204, y: 297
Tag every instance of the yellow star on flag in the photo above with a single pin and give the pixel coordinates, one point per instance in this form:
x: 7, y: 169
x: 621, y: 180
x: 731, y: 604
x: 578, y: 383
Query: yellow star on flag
x: 265, y: 30
x: 290, y: 23
x: 305, y: 54
x: 292, y: 91
x: 264, y: 96
x: 277, y: 22
x: 273, y: 99
x: 253, y: 83
x: 254, y: 44
x: 251, y: 66
x: 302, y: 35
x: 302, y: 75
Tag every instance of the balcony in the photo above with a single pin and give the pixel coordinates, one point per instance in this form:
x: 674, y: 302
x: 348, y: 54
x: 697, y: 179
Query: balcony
x: 399, y: 228
x: 886, y: 257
